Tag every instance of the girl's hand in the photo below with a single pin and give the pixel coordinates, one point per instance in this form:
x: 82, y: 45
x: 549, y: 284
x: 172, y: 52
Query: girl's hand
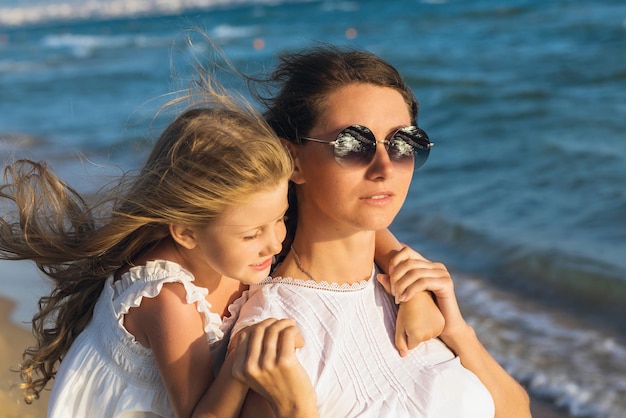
x: 265, y: 359
x: 411, y: 273
x: 419, y: 318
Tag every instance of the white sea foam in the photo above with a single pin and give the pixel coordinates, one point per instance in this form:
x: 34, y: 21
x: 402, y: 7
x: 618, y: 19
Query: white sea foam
x: 555, y: 355
x: 76, y: 10
x: 226, y: 32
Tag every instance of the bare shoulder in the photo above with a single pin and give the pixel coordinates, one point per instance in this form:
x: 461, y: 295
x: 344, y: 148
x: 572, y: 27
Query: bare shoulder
x: 165, y: 314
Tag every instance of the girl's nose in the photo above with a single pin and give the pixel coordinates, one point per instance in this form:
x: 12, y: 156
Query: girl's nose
x: 275, y: 240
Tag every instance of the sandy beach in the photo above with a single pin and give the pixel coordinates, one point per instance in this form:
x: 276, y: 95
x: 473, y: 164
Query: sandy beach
x: 13, y: 339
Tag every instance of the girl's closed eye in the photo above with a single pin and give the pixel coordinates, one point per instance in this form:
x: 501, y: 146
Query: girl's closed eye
x: 253, y: 236
x: 261, y: 229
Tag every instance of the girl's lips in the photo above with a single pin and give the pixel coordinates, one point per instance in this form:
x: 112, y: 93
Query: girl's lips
x: 262, y: 266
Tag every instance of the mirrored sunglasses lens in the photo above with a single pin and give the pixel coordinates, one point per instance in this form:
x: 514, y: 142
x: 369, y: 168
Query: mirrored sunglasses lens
x: 400, y: 151
x: 420, y: 158
x: 355, y: 145
x: 414, y: 136
x: 410, y: 143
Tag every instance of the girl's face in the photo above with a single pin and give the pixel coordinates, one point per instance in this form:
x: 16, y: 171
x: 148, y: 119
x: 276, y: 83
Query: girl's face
x: 241, y: 243
x: 366, y: 197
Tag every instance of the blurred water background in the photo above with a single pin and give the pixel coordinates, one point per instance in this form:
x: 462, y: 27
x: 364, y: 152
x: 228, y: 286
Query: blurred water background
x: 524, y: 195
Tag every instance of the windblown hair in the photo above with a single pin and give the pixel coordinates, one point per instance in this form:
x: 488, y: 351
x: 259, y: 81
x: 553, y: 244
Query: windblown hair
x: 294, y: 95
x: 207, y: 160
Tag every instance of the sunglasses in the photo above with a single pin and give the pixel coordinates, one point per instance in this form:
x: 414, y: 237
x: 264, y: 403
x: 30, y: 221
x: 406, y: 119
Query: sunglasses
x: 355, y: 146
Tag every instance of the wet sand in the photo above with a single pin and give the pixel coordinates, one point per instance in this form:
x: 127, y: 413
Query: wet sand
x: 14, y: 338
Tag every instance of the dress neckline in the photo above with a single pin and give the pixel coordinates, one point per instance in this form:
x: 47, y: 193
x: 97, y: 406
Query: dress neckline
x: 321, y: 285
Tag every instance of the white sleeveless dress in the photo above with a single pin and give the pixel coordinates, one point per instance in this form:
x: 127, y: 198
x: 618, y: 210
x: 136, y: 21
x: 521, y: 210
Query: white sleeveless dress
x: 350, y: 356
x: 106, y: 373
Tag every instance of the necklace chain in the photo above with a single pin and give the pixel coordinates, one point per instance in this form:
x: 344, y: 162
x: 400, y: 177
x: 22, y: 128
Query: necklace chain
x: 299, y: 264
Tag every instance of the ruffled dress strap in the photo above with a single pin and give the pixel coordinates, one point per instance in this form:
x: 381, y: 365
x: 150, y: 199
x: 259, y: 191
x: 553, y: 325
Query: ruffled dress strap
x: 148, y: 280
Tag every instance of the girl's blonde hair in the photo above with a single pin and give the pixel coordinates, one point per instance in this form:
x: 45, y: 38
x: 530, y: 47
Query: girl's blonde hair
x: 211, y: 157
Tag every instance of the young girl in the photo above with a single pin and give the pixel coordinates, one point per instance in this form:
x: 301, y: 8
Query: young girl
x: 145, y: 284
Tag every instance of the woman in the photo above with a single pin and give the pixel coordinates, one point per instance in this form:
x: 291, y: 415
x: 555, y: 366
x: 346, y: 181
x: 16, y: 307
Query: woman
x: 350, y: 123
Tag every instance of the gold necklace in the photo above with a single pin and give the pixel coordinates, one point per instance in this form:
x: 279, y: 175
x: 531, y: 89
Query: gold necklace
x: 299, y: 264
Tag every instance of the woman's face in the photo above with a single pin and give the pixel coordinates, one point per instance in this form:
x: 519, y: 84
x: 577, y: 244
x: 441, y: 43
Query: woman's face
x: 366, y: 197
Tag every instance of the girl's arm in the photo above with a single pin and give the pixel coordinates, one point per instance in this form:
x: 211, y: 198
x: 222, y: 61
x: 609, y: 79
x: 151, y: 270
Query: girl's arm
x: 419, y: 318
x: 265, y: 359
x: 174, y: 330
x: 510, y: 399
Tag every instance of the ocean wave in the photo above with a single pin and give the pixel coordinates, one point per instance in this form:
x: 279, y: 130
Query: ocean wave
x: 85, y: 45
x: 33, y: 14
x: 556, y: 356
x: 593, y: 283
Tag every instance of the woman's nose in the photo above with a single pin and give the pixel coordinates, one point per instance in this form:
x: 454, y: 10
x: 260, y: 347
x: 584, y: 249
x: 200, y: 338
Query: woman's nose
x: 381, y: 165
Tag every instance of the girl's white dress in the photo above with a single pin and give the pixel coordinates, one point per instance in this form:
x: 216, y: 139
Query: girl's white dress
x: 106, y: 373
x: 350, y: 356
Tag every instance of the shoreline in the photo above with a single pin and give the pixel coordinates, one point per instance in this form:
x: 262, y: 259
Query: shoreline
x: 14, y: 338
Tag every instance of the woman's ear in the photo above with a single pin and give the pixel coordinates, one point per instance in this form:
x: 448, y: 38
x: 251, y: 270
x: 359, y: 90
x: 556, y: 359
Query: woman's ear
x: 296, y: 176
x: 183, y: 236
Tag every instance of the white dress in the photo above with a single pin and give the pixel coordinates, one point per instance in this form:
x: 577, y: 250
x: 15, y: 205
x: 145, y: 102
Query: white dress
x: 106, y: 373
x: 350, y: 356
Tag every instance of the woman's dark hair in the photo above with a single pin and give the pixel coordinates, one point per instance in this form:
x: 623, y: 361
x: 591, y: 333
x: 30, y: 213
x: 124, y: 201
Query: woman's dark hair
x: 294, y: 95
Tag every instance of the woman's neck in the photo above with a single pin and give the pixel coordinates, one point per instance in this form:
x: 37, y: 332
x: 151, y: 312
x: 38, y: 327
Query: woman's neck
x: 345, y: 261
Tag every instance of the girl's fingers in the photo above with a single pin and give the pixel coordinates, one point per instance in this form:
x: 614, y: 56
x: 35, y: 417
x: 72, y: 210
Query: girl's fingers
x: 401, y: 341
x: 384, y: 280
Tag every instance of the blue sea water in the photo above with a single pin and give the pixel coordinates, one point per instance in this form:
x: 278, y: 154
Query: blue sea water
x: 524, y: 195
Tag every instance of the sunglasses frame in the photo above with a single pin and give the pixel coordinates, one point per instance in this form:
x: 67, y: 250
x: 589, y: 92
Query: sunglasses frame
x: 387, y: 141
